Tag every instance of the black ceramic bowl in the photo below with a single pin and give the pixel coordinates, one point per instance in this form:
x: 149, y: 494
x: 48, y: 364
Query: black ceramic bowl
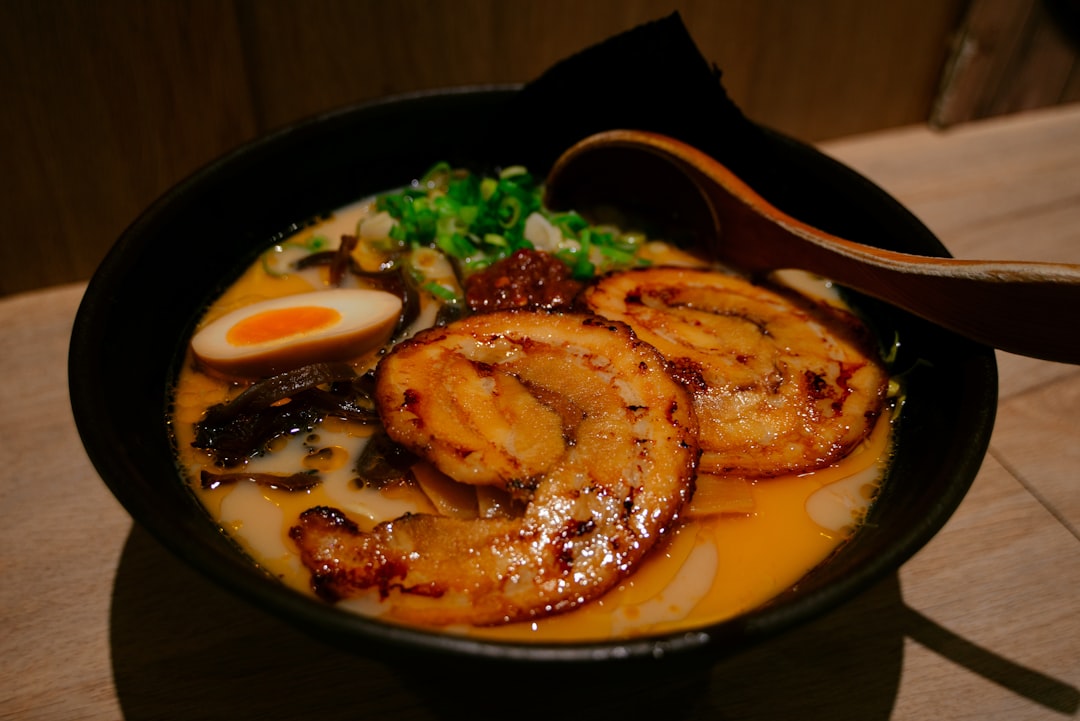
x: 141, y: 306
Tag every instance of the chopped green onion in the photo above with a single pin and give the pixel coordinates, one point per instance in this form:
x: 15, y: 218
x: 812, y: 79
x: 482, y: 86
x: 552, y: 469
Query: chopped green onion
x: 316, y: 243
x: 509, y: 211
x: 436, y: 176
x: 439, y: 291
x: 512, y: 171
x: 477, y: 220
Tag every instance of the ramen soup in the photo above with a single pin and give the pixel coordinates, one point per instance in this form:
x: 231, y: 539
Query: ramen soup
x: 451, y: 407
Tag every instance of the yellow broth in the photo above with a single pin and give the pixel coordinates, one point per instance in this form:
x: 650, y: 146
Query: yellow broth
x: 709, y: 568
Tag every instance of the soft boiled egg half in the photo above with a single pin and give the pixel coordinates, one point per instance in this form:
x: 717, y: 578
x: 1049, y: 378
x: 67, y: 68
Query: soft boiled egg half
x: 277, y: 335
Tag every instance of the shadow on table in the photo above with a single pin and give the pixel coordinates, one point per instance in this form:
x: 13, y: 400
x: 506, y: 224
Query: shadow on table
x: 183, y: 648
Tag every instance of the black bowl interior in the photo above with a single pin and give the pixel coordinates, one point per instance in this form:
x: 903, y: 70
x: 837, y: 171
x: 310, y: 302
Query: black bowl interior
x: 140, y: 307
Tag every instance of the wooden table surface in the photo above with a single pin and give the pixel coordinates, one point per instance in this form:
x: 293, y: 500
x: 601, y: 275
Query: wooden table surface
x: 99, y: 622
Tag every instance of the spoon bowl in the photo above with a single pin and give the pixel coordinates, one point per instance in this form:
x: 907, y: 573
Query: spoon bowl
x: 1014, y: 306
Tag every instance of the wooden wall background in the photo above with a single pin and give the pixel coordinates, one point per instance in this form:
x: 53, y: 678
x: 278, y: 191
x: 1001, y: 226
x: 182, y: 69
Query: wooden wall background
x: 106, y: 103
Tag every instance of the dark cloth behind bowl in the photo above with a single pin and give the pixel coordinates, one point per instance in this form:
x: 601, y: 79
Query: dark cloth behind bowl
x: 652, y: 77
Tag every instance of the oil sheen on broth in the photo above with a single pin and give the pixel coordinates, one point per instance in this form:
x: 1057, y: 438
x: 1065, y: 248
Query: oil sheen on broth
x: 739, y: 542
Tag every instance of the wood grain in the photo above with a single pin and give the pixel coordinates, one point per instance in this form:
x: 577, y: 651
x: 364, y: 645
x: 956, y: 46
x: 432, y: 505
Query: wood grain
x: 117, y: 100
x: 56, y: 661
x: 1008, y: 56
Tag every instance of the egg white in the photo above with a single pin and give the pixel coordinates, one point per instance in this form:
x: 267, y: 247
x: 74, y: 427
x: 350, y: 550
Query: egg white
x: 366, y: 321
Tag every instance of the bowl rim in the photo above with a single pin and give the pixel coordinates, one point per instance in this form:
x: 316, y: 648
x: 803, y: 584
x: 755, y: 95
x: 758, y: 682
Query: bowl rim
x: 341, y: 627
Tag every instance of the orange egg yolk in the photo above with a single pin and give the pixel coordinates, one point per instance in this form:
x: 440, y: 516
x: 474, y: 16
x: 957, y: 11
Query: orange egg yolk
x: 273, y: 325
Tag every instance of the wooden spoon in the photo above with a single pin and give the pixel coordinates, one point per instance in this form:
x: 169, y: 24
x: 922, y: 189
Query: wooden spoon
x: 1015, y: 306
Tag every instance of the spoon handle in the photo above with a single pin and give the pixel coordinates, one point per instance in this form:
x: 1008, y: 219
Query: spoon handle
x: 1015, y: 306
